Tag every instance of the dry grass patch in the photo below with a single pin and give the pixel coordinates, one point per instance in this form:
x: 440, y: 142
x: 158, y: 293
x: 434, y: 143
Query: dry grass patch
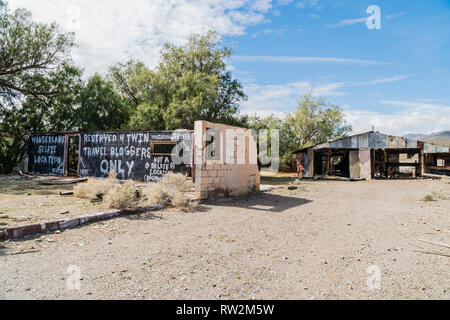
x: 172, y: 191
x: 96, y: 188
x: 440, y: 192
x: 122, y: 196
x: 114, y: 195
x: 435, y: 195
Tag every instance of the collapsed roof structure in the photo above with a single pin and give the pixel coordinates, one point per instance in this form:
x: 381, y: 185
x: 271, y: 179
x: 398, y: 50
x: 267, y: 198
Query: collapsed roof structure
x: 372, y: 155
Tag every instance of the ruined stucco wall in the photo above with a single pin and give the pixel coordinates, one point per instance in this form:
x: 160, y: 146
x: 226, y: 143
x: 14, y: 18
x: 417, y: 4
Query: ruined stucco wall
x: 360, y: 164
x: 225, y: 160
x: 354, y: 165
x: 365, y: 164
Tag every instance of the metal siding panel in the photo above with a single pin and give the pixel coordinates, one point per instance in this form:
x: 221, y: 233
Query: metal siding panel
x: 364, y: 141
x: 431, y: 148
x: 365, y: 165
x: 306, y: 165
x: 354, y: 164
x: 411, y: 143
x: 311, y: 162
x: 355, y: 142
x: 377, y: 140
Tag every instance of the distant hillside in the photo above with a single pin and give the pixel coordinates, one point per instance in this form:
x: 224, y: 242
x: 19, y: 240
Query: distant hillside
x: 439, y: 137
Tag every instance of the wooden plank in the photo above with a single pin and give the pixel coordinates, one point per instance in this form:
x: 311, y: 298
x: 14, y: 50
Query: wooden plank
x: 436, y: 243
x: 447, y: 168
x: 436, y: 253
x: 62, y: 182
x: 403, y: 164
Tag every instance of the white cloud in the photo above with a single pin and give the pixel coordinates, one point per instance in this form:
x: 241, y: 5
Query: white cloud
x: 395, y: 15
x: 290, y: 59
x: 111, y: 31
x: 261, y: 5
x: 265, y: 100
x: 267, y: 32
x: 277, y: 99
x: 284, y: 2
x: 363, y: 20
x: 406, y: 117
x: 415, y: 105
x: 347, y: 22
x: 389, y: 79
x: 422, y: 118
x: 307, y: 4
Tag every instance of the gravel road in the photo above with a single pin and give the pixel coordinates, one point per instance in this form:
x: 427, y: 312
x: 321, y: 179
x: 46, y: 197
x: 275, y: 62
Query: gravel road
x: 313, y: 243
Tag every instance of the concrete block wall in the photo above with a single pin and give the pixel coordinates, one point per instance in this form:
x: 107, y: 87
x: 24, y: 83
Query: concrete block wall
x: 232, y: 168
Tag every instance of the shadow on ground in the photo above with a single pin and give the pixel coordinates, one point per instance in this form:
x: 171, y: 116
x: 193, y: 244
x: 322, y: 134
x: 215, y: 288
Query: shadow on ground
x: 266, y: 202
x: 31, y: 185
x: 143, y: 216
x: 277, y: 180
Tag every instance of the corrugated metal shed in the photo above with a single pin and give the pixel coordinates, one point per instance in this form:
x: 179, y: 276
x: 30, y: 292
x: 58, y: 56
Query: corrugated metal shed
x: 434, y: 148
x: 369, y: 140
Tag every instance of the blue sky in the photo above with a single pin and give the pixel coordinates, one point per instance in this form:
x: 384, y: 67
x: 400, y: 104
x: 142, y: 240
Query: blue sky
x: 409, y: 60
x: 396, y: 78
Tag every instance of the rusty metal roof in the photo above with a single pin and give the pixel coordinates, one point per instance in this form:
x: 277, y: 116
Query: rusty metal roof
x: 370, y: 139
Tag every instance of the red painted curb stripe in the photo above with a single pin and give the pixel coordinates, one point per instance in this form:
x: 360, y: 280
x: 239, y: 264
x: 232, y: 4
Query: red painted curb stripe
x: 36, y: 228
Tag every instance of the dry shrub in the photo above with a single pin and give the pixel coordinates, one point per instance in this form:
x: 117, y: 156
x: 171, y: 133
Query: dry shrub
x: 178, y: 181
x: 171, y: 191
x: 158, y: 194
x: 179, y: 200
x: 96, y: 188
x: 434, y: 196
x: 122, y: 196
x: 297, y: 183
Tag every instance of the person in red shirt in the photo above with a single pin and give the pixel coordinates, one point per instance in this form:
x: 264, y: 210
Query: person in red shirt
x: 300, y: 167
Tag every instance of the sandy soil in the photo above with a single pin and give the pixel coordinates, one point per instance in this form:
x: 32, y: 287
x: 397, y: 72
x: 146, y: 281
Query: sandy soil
x: 316, y: 242
x: 24, y: 200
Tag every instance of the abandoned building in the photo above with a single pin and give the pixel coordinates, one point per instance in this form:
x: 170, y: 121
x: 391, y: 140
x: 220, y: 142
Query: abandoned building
x: 374, y: 155
x: 222, y: 160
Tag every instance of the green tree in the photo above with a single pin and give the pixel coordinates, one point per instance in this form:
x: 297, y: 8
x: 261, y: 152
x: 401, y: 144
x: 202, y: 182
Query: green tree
x: 28, y: 52
x: 38, y: 86
x: 101, y: 106
x: 35, y: 113
x: 315, y: 121
x: 128, y: 80
x: 190, y: 83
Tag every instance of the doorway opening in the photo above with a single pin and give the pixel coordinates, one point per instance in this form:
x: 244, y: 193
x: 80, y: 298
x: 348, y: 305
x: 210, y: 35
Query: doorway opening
x: 73, y: 155
x: 332, y: 162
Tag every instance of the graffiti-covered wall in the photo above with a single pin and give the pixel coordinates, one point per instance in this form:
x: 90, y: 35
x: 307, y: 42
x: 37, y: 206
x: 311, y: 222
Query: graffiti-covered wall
x: 46, y: 154
x: 145, y: 156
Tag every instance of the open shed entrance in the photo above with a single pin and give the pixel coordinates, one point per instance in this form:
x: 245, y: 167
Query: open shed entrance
x: 73, y: 155
x: 332, y: 162
x: 437, y: 163
x: 396, y: 163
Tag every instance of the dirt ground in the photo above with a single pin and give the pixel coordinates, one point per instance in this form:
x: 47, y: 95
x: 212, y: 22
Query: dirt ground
x: 25, y: 200
x: 29, y: 199
x: 316, y: 242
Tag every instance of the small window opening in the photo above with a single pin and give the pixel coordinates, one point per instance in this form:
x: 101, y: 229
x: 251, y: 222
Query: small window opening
x: 163, y: 148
